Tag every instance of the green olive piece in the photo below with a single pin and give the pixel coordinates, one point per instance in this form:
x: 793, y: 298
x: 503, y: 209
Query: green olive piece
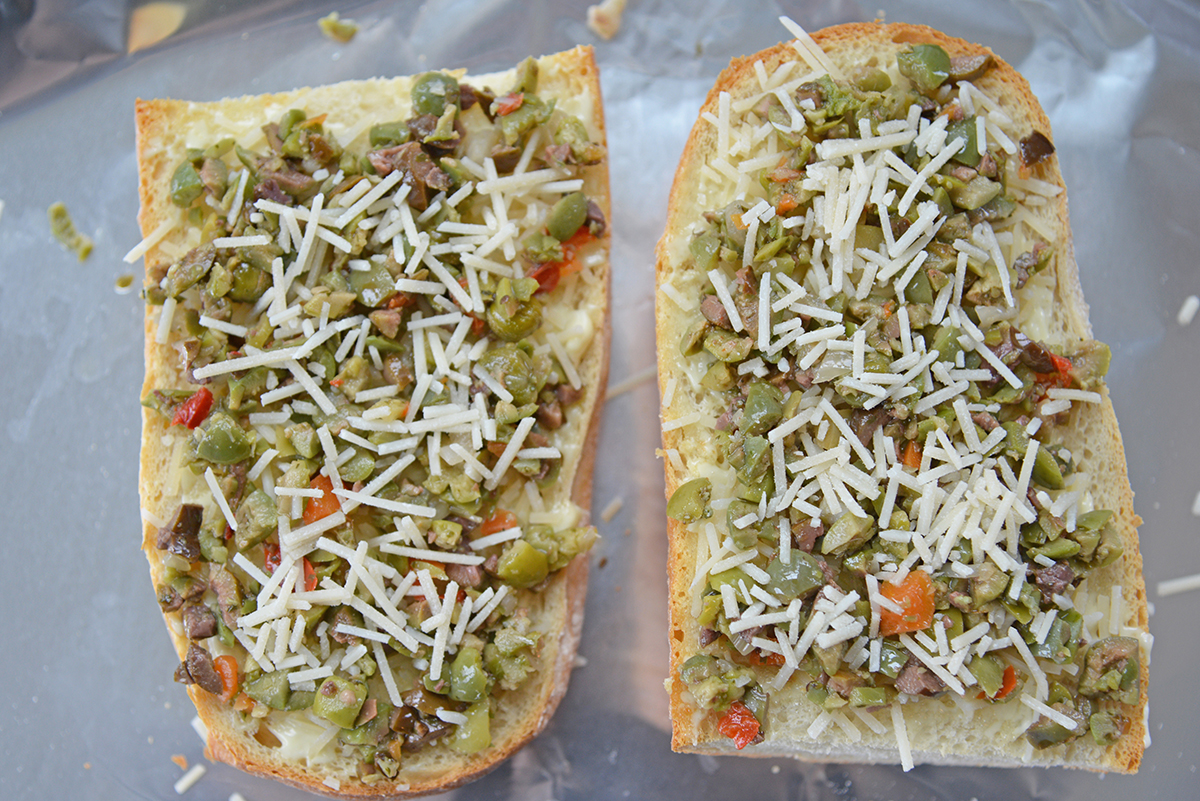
x: 186, y: 185
x: 1090, y: 363
x: 510, y: 365
x: 432, y: 92
x: 965, y: 130
x: 1045, y: 732
x: 474, y: 735
x: 697, y: 668
x: 468, y: 681
x: 763, y: 409
x: 1061, y: 548
x: 567, y: 215
x: 871, y: 79
x: 511, y: 319
x: 389, y: 133
x: 257, y: 518
x: 727, y: 346
x: 532, y: 113
x: 371, y: 732
x: 926, y: 65
x: 976, y: 193
x: 745, y: 537
x: 221, y: 440
x: 271, y: 689
x: 848, y: 533
x: 945, y: 342
x: 861, y: 697
x: 1106, y: 728
x: 704, y: 250
x: 339, y: 701
x: 800, y: 576
x: 990, y: 674
x: 186, y: 272
x: 689, y: 502
x: 1046, y: 471
x: 359, y: 468
x: 248, y: 283
x: 374, y: 285
x: 522, y: 565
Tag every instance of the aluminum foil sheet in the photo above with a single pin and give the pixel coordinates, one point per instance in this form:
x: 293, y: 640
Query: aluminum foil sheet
x: 89, y: 708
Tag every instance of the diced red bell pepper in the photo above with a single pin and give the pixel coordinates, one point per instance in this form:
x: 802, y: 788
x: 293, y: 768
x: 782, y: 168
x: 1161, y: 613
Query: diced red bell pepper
x: 192, y: 411
x: 327, y: 504
x: 739, y: 725
x: 509, y: 103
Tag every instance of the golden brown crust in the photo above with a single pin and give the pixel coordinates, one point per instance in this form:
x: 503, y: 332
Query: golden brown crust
x: 162, y: 130
x: 1095, y: 428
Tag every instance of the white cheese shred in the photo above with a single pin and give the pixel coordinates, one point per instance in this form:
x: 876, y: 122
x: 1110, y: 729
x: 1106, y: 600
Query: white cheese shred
x: 901, y: 733
x: 219, y: 497
x: 187, y: 780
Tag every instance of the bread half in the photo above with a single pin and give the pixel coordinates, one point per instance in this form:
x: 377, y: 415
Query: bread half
x: 901, y: 526
x: 377, y: 328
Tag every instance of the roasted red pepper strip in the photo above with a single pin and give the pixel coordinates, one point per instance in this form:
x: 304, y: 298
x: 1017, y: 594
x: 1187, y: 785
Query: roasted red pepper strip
x: 1010, y: 682
x: 550, y: 273
x: 739, y: 725
x: 327, y: 504
x: 915, y: 595
x: 227, y: 669
x: 1061, y: 377
x: 192, y: 411
x: 509, y: 103
x: 271, y: 557
x: 501, y: 520
x: 310, y: 576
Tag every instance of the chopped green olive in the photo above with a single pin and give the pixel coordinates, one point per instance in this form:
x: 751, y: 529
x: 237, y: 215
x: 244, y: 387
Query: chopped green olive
x: 976, y: 193
x: 271, y: 689
x: 689, y: 502
x: 567, y: 215
x: 339, y: 701
x: 189, y: 270
x: 532, y: 113
x: 374, y: 285
x: 510, y: 318
x: 926, y: 65
x: 432, y: 92
x: 726, y: 345
x: 1046, y: 470
x: 763, y: 409
x: 221, y: 440
x: 186, y: 185
x: 386, y: 134
x: 990, y: 674
x: 868, y: 696
x: 965, y: 129
x: 512, y: 367
x: 468, y: 681
x: 257, y: 518
x: 848, y: 533
x: 1046, y: 733
x: 522, y: 565
x: 475, y: 734
x: 796, y: 579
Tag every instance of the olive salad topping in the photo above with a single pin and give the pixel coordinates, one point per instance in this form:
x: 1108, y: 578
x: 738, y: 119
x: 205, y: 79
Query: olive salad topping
x: 896, y: 517
x: 378, y: 371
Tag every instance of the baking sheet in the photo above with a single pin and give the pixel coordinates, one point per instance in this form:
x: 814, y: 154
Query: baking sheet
x: 89, y: 707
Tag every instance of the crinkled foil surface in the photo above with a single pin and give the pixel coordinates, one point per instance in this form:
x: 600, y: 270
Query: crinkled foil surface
x: 89, y: 709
